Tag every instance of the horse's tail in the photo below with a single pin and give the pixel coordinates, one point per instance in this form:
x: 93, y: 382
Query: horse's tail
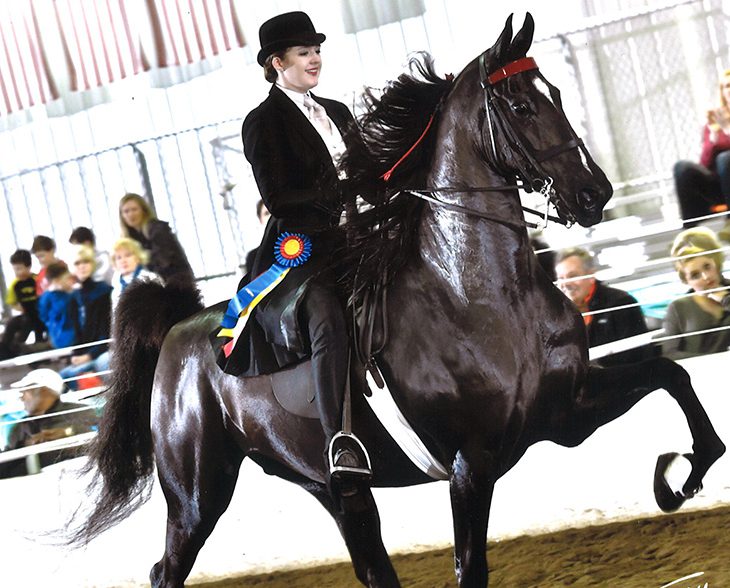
x: 121, y: 457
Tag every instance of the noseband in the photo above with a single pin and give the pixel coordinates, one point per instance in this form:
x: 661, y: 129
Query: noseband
x: 531, y: 174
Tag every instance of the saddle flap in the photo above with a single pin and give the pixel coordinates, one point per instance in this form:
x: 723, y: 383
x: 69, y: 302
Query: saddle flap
x: 294, y: 390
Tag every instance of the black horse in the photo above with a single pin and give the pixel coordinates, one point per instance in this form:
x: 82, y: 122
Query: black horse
x: 484, y: 356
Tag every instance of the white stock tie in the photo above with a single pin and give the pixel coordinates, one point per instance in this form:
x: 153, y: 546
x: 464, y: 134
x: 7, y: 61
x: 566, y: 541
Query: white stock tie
x: 317, y: 114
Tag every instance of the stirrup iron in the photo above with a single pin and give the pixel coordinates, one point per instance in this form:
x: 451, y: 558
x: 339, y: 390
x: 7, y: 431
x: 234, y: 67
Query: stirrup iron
x: 344, y: 471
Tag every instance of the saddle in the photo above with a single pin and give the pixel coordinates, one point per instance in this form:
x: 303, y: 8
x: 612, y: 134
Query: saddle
x: 292, y: 385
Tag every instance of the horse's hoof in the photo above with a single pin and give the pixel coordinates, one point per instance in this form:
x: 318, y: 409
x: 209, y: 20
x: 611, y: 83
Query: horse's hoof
x: 667, y: 499
x: 691, y: 488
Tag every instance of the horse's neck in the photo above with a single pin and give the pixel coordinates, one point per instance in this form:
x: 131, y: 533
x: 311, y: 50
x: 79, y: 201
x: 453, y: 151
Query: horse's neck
x: 472, y: 256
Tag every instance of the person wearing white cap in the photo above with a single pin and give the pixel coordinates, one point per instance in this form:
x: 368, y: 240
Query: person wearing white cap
x: 41, y: 395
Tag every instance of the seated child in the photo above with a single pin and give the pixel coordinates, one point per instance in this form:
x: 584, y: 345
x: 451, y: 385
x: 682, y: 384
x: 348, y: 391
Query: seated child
x: 84, y: 236
x: 44, y: 249
x: 21, y: 297
x: 91, y: 314
x: 54, y: 306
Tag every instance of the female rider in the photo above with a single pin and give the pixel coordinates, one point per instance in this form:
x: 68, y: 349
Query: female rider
x: 293, y: 140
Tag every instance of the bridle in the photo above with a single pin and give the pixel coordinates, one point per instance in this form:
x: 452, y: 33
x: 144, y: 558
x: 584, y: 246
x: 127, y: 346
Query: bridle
x: 531, y: 175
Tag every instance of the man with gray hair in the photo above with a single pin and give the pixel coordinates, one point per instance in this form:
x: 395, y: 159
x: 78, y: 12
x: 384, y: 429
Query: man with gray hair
x: 575, y: 269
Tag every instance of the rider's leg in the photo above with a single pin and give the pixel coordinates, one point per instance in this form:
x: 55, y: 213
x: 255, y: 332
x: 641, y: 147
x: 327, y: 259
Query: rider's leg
x: 327, y: 331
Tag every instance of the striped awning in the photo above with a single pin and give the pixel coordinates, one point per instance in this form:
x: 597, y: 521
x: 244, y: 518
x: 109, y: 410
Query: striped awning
x: 25, y: 78
x: 49, y: 48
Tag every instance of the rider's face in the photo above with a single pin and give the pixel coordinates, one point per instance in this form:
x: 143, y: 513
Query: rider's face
x: 577, y: 290
x: 299, y: 69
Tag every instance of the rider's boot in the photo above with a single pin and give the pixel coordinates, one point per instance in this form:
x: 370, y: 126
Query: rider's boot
x: 345, y: 456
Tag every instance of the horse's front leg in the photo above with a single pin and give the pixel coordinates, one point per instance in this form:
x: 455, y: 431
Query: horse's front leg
x: 471, y: 486
x: 356, y: 515
x: 610, y: 392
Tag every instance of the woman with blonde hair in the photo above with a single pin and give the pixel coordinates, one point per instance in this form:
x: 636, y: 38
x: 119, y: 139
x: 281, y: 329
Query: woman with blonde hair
x: 698, y: 259
x: 702, y: 187
x: 166, y: 256
x: 128, y: 259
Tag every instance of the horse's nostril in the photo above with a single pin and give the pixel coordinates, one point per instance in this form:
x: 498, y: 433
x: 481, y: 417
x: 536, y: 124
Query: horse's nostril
x: 588, y: 198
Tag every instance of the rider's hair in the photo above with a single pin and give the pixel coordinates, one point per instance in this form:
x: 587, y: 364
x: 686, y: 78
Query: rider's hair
x: 586, y: 257
x: 692, y: 242
x: 270, y: 72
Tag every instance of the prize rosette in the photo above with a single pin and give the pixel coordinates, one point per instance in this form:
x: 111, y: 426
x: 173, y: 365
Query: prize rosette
x: 292, y: 249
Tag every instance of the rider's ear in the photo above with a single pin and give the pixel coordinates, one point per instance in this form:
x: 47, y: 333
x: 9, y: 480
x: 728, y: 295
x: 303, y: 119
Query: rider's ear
x: 523, y: 39
x: 499, y: 52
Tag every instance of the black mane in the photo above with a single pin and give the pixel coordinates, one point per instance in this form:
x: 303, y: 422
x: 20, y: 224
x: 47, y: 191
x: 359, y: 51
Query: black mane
x: 380, y: 238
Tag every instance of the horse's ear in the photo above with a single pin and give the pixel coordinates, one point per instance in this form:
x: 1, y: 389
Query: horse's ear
x: 523, y: 39
x: 499, y: 53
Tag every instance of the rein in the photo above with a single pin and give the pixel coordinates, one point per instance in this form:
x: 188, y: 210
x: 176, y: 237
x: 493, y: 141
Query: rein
x: 427, y: 194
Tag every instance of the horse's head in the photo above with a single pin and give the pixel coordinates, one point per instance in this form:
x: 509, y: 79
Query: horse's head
x: 527, y: 135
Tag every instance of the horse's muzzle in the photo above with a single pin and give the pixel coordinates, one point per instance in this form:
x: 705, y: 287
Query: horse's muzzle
x: 590, y: 203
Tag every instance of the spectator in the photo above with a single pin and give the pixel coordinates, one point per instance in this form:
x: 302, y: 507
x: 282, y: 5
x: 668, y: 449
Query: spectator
x: 263, y: 215
x: 589, y: 294
x: 91, y: 315
x: 701, y: 185
x: 41, y: 390
x: 128, y: 258
x: 166, y: 256
x: 44, y: 249
x: 21, y: 297
x: 699, y: 265
x: 54, y: 306
x: 83, y: 236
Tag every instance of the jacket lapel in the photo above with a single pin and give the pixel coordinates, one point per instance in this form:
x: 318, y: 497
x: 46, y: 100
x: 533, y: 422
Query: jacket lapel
x: 296, y: 120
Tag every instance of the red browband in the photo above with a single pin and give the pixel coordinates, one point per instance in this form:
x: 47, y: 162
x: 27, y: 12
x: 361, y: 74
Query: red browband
x: 524, y: 64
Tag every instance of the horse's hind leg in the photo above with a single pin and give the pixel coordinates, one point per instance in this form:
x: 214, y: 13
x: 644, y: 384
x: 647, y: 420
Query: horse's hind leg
x: 613, y: 391
x: 359, y: 523
x: 198, y: 470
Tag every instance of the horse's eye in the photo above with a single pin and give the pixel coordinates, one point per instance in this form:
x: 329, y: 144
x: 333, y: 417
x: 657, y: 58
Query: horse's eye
x: 521, y: 109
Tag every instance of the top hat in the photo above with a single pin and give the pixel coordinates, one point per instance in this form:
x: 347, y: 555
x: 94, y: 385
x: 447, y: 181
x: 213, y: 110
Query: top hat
x: 287, y: 30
